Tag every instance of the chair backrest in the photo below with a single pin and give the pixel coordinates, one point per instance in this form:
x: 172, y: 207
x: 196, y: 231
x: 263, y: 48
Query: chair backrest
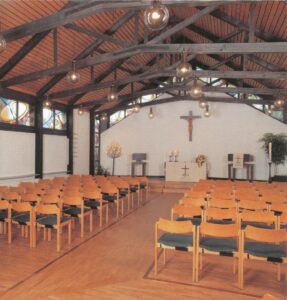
x: 187, y: 211
x: 4, y: 188
x: 179, y: 227
x: 35, y: 190
x: 21, y: 207
x: 48, y: 209
x: 252, y: 205
x: 253, y: 196
x: 70, y: 193
x: 4, y: 205
x: 26, y: 184
x: 279, y: 207
x: 11, y: 196
x: 17, y: 189
x: 219, y: 230
x: 265, y: 235
x: 94, y: 195
x: 73, y: 200
x: 218, y: 203
x: 258, y: 216
x: 221, y: 214
x: 186, y: 201
x: 196, y: 194
x: 30, y: 198
x: 109, y: 188
x: 50, y: 199
x: 273, y: 197
x: 53, y: 191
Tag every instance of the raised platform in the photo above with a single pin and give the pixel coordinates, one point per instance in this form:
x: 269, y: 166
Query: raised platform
x: 162, y: 186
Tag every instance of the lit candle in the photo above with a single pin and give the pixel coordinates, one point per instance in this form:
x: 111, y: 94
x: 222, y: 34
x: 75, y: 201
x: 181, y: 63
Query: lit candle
x: 270, y: 151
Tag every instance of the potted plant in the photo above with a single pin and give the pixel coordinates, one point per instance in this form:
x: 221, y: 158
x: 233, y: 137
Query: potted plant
x: 279, y: 147
x: 114, y: 151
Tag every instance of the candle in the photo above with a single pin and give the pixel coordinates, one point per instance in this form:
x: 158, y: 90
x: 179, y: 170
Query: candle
x: 270, y: 151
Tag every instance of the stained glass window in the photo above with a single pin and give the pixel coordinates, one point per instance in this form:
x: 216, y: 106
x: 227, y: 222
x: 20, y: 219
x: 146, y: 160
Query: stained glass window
x: 116, y: 117
x: 16, y: 112
x: 54, y: 119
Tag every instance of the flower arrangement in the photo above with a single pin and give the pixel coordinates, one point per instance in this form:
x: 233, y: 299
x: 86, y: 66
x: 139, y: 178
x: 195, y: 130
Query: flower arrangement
x: 114, y: 151
x: 201, y: 159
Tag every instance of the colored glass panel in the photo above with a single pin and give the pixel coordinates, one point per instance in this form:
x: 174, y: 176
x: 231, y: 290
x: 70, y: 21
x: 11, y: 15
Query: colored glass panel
x: 60, y: 120
x: 8, y: 111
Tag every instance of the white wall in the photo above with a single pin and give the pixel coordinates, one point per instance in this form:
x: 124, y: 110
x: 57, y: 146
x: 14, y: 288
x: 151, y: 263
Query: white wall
x: 232, y: 128
x: 55, y: 154
x: 17, y: 155
x: 81, y: 128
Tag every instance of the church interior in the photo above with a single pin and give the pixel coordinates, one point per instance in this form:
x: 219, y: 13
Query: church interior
x: 143, y: 149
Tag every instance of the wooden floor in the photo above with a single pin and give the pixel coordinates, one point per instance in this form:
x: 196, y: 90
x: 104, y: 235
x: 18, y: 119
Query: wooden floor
x: 116, y: 263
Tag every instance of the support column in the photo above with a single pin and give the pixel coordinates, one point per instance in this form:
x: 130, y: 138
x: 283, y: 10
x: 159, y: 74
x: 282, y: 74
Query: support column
x: 92, y: 142
x: 38, y: 140
x: 70, y: 136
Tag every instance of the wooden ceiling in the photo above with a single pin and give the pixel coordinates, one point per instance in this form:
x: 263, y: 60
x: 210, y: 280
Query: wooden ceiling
x: 66, y: 30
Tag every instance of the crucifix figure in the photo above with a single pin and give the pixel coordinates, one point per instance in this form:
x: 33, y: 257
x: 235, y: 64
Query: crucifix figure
x: 189, y: 119
x: 185, y: 169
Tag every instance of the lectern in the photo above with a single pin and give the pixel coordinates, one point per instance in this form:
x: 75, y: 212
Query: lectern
x: 139, y: 159
x: 248, y: 164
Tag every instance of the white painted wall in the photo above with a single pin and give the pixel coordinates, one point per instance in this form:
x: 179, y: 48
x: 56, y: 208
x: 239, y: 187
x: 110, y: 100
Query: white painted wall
x: 81, y: 142
x: 232, y: 128
x: 17, y: 155
x: 55, y: 154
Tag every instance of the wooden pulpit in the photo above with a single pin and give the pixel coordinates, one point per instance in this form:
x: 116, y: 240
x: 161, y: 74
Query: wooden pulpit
x: 248, y: 164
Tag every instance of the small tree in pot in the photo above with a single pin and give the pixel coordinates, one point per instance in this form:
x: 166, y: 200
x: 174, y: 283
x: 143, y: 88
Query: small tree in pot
x: 114, y: 151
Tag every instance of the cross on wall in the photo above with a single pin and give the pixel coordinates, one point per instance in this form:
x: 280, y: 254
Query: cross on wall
x: 189, y: 119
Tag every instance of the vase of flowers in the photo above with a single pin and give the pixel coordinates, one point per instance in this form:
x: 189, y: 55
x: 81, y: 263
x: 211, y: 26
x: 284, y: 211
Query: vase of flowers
x: 201, y: 159
x: 114, y: 151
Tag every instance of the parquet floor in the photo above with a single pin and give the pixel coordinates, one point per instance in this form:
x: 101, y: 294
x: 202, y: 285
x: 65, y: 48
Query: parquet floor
x: 116, y: 263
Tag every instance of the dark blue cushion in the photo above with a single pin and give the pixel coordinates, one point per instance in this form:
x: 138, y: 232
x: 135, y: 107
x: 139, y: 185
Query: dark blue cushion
x: 219, y: 244
x: 265, y: 250
x: 195, y: 220
x: 142, y: 185
x: 257, y: 224
x: 3, y: 215
x: 176, y: 240
x: 21, y: 218
x: 51, y: 220
x: 74, y: 211
x: 133, y: 188
x: 214, y: 221
x: 110, y: 198
x: 123, y: 192
x: 92, y: 204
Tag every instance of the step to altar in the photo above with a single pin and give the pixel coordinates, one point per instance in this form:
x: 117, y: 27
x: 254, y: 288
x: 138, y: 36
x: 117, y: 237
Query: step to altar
x: 162, y: 186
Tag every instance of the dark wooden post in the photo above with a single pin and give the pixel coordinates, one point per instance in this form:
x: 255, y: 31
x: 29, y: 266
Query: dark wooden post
x: 70, y: 136
x: 38, y: 140
x: 92, y: 142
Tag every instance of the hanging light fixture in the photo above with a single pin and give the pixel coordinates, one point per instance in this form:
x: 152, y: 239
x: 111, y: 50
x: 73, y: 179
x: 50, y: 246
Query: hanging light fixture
x: 202, y: 103
x: 279, y: 102
x: 3, y: 42
x: 269, y: 110
x: 207, y: 112
x: 184, y: 69
x: 47, y: 103
x: 113, y: 95
x: 73, y: 76
x: 151, y: 114
x: 156, y: 16
x: 81, y: 111
x: 136, y: 108
x: 104, y: 117
x: 196, y: 89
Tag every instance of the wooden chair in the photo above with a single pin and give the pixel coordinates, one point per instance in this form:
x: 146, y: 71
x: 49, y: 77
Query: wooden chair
x: 51, y: 218
x: 222, y: 194
x: 56, y: 192
x: 94, y: 200
x: 73, y: 206
x: 221, y: 216
x: 5, y: 218
x: 224, y: 204
x: 22, y: 214
x: 262, y: 244
x: 144, y: 186
x: 187, y: 213
x: 33, y: 199
x: 260, y: 219
x: 217, y: 239
x: 35, y: 190
x: 255, y: 205
x: 179, y: 236
x: 124, y: 190
x: 110, y: 193
x: 196, y: 194
x: 134, y: 185
x: 199, y: 202
x: 50, y: 199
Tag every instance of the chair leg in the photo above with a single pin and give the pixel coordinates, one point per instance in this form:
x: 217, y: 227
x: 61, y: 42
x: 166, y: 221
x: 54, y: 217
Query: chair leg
x: 164, y: 256
x: 58, y: 239
x: 234, y: 265
x: 91, y: 221
x: 118, y: 208
x: 31, y: 235
x: 26, y: 231
x: 1, y: 228
x: 82, y: 225
x: 155, y: 260
x: 44, y: 233
x: 200, y: 261
x: 122, y: 206
x: 101, y: 216
x: 241, y: 272
x: 107, y: 213
x: 9, y: 232
x: 69, y: 233
x: 49, y: 234
x: 129, y: 200
x: 278, y: 272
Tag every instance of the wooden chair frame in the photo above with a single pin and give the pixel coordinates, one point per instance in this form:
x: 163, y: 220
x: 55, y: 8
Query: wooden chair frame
x: 6, y: 222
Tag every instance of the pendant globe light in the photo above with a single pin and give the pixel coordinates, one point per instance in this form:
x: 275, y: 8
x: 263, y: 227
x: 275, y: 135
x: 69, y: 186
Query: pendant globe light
x: 202, y: 103
x: 47, y: 103
x: 184, y: 69
x: 156, y: 16
x: 207, y: 112
x: 196, y: 89
x: 279, y: 102
x: 3, y: 42
x: 73, y: 76
x: 81, y: 111
x: 104, y: 117
x: 151, y: 114
x: 113, y: 95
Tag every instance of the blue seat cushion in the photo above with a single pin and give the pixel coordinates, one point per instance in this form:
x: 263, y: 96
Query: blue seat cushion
x: 178, y: 241
x: 142, y: 185
x: 74, y: 211
x: 257, y: 224
x: 265, y: 250
x: 51, y: 220
x: 21, y: 218
x: 214, y: 221
x: 123, y: 192
x: 110, y: 198
x: 133, y: 188
x: 92, y: 204
x: 3, y: 215
x: 195, y: 220
x: 221, y: 245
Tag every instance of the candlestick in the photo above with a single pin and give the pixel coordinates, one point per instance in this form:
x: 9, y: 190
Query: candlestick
x: 270, y: 151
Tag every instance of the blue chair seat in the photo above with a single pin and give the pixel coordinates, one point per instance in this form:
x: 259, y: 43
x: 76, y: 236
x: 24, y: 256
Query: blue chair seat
x: 133, y: 188
x: 226, y: 222
x: 142, y: 185
x: 257, y: 224
x: 195, y: 220
x: 178, y: 241
x: 221, y: 245
x: 110, y: 198
x: 74, y: 211
x: 22, y: 219
x: 92, y: 204
x: 3, y: 215
x: 51, y: 220
x: 265, y: 250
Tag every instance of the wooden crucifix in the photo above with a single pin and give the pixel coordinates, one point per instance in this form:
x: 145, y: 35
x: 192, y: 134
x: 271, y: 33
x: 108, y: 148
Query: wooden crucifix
x: 189, y: 119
